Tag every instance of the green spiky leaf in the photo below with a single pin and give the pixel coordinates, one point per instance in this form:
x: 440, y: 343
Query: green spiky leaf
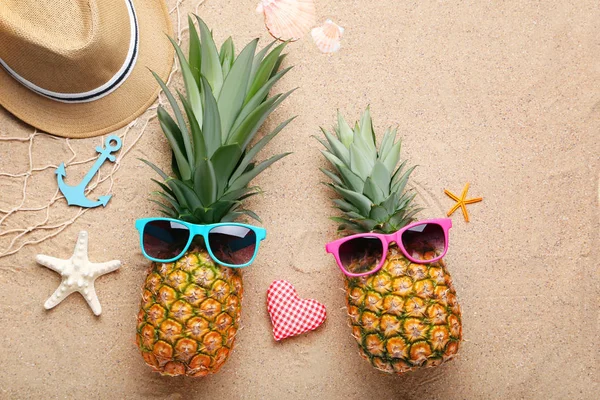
x: 336, y: 179
x: 345, y: 132
x: 246, y: 177
x: 373, y: 192
x: 174, y: 136
x: 359, y: 162
x: 337, y: 147
x: 195, y: 58
x: 258, y: 98
x: 221, y: 160
x: 381, y: 177
x: 166, y: 210
x: 191, y: 86
x: 211, y: 63
x: 205, y: 182
x: 233, y: 91
x: 251, y: 153
x: 247, y: 129
x: 197, y: 136
x: 366, y: 130
x: 211, y: 128
x: 352, y: 181
x: 227, y: 55
x: 155, y: 168
x: 265, y: 70
x: 358, y: 200
x: 344, y: 205
x: 258, y: 58
x: 185, y: 196
x: 164, y: 187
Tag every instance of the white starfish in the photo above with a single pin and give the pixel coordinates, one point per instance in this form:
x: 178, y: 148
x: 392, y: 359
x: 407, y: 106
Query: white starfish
x: 78, y: 274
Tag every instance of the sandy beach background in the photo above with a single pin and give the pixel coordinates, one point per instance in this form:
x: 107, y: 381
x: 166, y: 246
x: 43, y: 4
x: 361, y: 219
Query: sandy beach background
x: 504, y: 95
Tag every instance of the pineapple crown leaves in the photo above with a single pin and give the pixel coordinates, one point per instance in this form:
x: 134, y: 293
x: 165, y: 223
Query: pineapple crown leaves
x: 226, y: 102
x: 371, y: 181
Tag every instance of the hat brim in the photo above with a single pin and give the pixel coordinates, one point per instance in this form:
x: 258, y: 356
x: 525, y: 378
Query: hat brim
x: 113, y: 111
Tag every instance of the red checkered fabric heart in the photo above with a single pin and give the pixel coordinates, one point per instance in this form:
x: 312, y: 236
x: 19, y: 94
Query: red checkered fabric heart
x: 290, y: 314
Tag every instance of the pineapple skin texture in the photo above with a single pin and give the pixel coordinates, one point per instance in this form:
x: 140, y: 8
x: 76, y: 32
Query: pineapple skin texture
x: 189, y: 315
x: 405, y: 316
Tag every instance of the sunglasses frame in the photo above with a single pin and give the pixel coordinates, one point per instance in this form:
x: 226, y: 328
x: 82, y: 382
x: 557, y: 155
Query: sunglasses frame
x: 386, y: 240
x: 200, y: 230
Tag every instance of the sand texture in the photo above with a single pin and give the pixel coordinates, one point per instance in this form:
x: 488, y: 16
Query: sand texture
x: 504, y: 95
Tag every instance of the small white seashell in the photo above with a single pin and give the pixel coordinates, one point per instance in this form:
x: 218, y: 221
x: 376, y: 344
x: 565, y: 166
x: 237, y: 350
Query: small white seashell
x: 288, y: 19
x: 327, y: 37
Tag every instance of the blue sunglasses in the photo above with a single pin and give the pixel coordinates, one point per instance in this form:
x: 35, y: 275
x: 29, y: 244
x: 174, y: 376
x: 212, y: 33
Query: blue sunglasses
x: 228, y: 243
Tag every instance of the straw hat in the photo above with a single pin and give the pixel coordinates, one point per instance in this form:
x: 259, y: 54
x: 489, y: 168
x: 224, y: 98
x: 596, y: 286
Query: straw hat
x: 79, y: 68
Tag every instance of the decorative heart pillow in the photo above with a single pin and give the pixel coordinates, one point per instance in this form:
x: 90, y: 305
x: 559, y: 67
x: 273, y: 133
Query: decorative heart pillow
x: 291, y: 315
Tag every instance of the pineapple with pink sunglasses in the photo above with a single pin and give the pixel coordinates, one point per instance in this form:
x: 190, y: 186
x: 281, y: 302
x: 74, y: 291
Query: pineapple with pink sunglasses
x: 400, y: 298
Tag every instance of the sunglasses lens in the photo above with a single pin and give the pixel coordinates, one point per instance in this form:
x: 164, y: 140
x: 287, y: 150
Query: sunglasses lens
x: 424, y: 241
x: 232, y: 244
x: 361, y: 255
x: 164, y: 240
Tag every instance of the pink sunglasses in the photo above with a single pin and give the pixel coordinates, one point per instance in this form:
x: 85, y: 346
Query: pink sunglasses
x: 357, y: 254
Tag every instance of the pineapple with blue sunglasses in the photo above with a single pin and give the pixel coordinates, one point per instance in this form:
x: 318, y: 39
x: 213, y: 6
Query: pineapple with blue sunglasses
x: 190, y: 309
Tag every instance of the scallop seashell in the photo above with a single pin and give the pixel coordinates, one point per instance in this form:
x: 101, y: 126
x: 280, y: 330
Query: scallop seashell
x: 328, y: 37
x: 288, y: 19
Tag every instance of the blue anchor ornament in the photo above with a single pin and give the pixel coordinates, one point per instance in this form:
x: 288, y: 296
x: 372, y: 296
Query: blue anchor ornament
x: 75, y: 195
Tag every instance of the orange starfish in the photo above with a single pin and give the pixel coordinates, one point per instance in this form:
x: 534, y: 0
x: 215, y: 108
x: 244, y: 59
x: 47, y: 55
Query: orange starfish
x: 462, y: 202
